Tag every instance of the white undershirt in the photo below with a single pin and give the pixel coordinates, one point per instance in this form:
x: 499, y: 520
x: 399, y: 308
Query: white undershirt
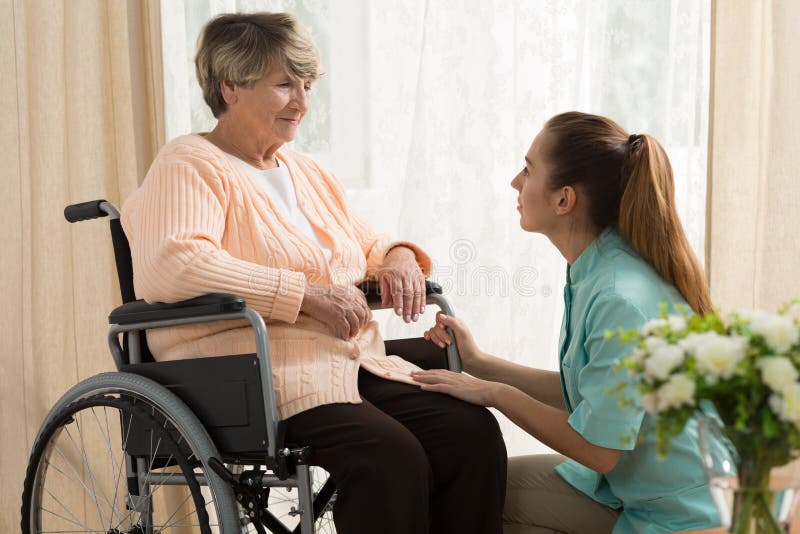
x: 278, y: 185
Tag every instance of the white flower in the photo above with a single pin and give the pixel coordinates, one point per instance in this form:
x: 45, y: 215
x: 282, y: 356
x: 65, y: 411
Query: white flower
x: 652, y: 325
x: 650, y: 403
x: 690, y: 342
x: 779, y: 331
x: 637, y: 356
x: 776, y: 404
x: 787, y: 404
x: 652, y: 343
x: 676, y: 323
x: 677, y: 391
x: 662, y: 361
x: 717, y: 356
x: 778, y: 373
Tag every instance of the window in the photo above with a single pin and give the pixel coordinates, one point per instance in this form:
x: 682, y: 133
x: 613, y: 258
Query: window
x: 336, y: 129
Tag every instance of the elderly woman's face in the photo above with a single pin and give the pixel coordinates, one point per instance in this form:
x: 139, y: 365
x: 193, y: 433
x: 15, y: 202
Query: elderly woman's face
x: 273, y: 106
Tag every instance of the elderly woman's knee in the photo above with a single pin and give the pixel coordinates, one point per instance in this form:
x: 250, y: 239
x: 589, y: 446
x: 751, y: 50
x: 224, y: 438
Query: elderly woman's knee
x: 475, y: 431
x: 394, y: 458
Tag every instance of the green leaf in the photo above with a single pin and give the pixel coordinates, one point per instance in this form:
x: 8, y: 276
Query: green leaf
x: 769, y: 426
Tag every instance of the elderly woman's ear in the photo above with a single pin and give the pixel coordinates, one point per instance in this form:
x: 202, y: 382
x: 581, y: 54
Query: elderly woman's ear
x: 229, y: 91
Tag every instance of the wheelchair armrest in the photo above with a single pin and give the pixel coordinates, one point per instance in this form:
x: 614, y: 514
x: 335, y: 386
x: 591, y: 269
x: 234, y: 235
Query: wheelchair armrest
x: 140, y: 311
x: 372, y: 290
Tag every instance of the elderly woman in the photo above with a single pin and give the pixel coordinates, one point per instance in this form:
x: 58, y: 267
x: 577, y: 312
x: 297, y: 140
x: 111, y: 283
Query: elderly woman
x: 232, y: 211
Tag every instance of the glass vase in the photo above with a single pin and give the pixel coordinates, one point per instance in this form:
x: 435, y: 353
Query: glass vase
x: 751, y: 493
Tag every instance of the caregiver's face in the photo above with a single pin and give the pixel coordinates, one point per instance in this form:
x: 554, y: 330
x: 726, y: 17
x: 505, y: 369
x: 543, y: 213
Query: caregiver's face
x: 535, y: 199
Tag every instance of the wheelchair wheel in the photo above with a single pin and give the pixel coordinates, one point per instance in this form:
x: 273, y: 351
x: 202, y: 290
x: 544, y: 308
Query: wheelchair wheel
x: 282, y: 502
x: 120, y: 454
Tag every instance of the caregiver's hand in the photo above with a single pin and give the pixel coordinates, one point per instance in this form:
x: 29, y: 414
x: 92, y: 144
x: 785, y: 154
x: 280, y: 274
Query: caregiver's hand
x: 402, y: 283
x: 459, y: 385
x: 471, y: 356
x: 343, y: 308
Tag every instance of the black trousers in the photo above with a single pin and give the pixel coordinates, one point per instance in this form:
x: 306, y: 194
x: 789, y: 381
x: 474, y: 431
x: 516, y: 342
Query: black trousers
x: 408, y: 461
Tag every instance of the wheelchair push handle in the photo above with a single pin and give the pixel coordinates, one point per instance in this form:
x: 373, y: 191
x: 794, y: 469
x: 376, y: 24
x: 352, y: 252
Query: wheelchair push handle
x: 84, y: 211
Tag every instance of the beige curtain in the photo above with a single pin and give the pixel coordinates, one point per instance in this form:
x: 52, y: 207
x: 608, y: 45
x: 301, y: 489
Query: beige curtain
x: 753, y: 202
x: 80, y: 120
x: 753, y: 258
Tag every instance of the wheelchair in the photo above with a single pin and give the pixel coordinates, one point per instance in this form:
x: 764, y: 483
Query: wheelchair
x: 182, y: 446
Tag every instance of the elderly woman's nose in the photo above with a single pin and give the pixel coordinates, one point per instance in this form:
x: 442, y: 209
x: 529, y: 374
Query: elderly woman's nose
x: 300, y: 99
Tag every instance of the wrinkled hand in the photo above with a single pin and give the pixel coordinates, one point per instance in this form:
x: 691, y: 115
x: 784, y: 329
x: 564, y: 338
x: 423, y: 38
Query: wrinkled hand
x: 343, y: 308
x: 402, y: 284
x: 468, y: 350
x: 459, y: 385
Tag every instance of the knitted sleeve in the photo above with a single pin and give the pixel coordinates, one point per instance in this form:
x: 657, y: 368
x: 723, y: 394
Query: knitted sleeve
x: 174, y: 224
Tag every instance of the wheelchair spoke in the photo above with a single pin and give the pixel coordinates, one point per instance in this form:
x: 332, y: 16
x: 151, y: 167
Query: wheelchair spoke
x: 176, y: 523
x: 167, y: 523
x: 121, y: 463
x: 152, y: 459
x: 176, y: 511
x: 67, y: 519
x: 127, y: 516
x: 153, y: 489
x: 89, y: 468
x: 77, y: 477
x: 82, y: 450
x: 107, y: 438
x: 146, y: 483
x: 77, y: 521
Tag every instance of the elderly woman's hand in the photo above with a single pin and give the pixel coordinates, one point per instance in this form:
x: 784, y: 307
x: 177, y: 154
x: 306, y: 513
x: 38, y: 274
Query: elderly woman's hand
x: 343, y: 308
x: 402, y: 283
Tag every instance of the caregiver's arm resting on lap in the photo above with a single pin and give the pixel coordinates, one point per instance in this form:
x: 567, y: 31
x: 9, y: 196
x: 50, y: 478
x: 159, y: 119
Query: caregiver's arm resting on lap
x: 550, y: 424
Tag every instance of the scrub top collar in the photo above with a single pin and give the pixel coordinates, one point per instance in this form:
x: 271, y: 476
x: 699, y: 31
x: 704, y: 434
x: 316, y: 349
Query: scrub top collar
x: 608, y: 240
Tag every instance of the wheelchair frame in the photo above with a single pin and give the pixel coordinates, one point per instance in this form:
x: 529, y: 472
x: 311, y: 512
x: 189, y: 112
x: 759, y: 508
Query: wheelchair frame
x: 289, y: 466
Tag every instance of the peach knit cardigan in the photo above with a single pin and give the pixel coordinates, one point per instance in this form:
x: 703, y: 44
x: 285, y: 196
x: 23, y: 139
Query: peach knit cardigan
x: 199, y: 224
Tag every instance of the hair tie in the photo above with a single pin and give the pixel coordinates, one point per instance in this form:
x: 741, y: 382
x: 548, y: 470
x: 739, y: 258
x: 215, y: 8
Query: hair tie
x: 632, y: 139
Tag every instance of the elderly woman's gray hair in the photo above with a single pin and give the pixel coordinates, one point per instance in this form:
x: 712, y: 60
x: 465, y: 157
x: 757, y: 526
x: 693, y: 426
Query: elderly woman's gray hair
x: 242, y: 48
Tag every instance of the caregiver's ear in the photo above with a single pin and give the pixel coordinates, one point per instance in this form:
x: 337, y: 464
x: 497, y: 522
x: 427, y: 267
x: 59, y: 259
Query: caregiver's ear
x: 566, y: 199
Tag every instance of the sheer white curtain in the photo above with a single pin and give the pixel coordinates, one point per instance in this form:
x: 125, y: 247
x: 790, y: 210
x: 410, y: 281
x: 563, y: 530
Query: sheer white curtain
x: 427, y: 108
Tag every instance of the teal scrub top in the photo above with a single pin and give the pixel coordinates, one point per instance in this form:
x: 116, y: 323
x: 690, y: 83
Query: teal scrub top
x: 609, y: 286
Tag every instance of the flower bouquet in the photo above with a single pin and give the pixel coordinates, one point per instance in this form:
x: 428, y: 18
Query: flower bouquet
x: 739, y: 375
